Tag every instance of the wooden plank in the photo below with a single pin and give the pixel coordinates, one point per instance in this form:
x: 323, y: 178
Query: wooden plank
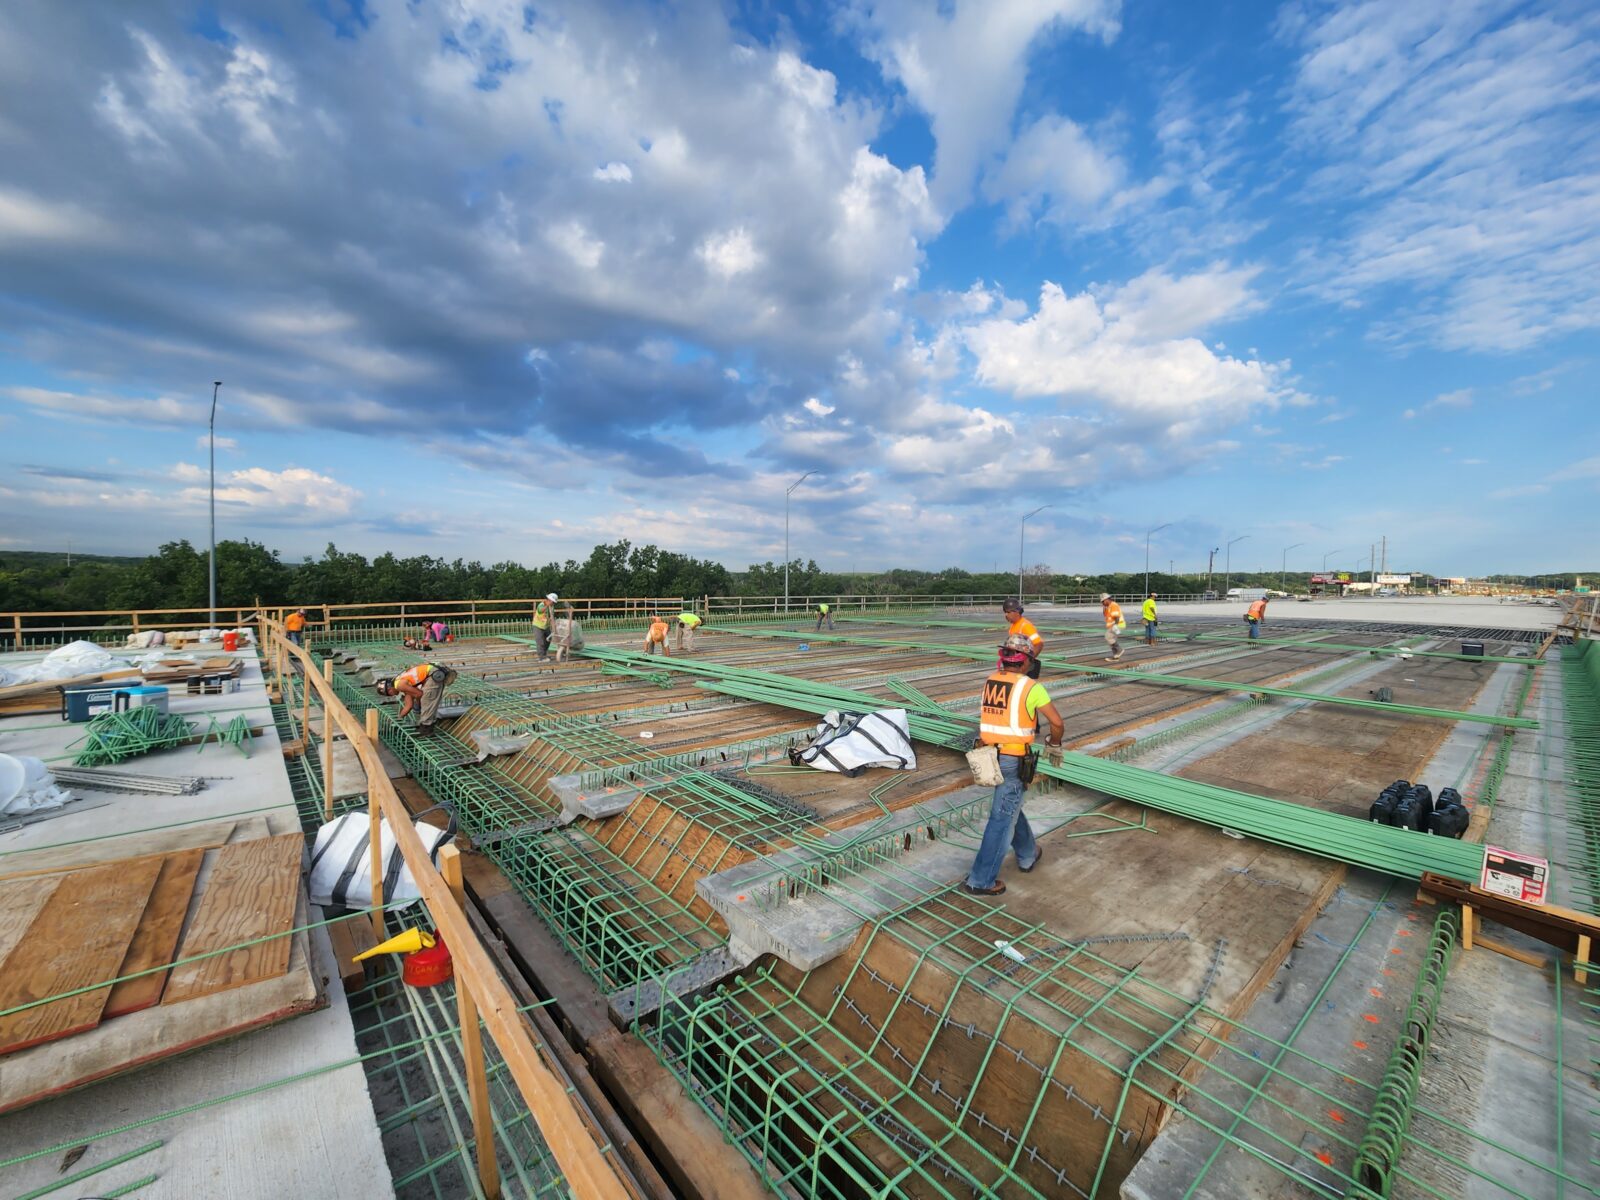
x: 45, y: 686
x: 251, y: 894
x: 1510, y: 951
x: 157, y: 936
x: 350, y: 938
x: 52, y: 860
x: 20, y: 902
x: 79, y: 937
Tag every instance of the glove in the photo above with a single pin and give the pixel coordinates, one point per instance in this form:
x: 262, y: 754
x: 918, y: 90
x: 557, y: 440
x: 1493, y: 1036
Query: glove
x: 1052, y: 755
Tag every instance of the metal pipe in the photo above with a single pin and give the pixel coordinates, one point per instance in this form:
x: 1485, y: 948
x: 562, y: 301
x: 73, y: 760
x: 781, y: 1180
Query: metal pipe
x: 215, y: 387
x: 1227, y: 580
x: 786, y: 494
x: 1284, y: 566
x: 1022, y: 533
x: 1148, y: 532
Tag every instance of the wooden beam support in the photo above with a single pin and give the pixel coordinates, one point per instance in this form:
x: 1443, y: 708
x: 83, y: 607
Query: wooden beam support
x: 327, y: 743
x: 472, y: 1048
x: 374, y: 834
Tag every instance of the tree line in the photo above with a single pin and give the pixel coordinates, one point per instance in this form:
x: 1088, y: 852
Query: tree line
x: 247, y: 571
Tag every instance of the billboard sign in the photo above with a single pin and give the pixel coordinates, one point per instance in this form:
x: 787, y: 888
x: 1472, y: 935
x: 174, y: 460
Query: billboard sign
x: 1395, y: 580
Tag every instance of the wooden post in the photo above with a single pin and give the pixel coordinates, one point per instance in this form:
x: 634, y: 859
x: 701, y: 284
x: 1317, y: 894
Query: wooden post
x: 472, y: 1046
x: 1581, y: 959
x: 1466, y: 927
x: 375, y: 834
x: 327, y: 743
x: 16, y: 631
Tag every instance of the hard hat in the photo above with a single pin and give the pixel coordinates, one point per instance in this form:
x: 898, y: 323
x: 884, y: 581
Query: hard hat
x: 552, y: 596
x: 1016, y: 644
x: 1104, y: 596
x: 1012, y: 604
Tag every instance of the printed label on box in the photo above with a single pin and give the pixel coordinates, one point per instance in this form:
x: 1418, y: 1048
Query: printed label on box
x: 1518, y: 876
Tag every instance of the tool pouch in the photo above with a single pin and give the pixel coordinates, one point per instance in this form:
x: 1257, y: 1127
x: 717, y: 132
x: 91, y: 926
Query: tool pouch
x: 1028, y: 768
x: 984, y: 762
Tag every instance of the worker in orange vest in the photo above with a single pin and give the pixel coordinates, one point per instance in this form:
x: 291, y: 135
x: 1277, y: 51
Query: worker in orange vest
x: 1253, y: 617
x: 1112, y: 611
x: 295, y: 626
x: 423, y: 684
x: 1018, y: 625
x: 1009, y: 721
x: 656, y: 639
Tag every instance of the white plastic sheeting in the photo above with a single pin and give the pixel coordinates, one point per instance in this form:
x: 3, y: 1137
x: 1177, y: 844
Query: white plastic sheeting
x: 75, y: 658
x: 849, y: 743
x: 27, y: 786
x: 341, y: 863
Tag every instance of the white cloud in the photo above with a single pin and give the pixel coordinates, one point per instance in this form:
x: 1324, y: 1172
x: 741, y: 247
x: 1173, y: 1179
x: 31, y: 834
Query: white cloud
x: 1323, y: 463
x: 1589, y: 468
x: 223, y: 443
x: 1519, y: 492
x: 574, y: 240
x: 1054, y: 170
x: 730, y: 253
x: 817, y: 408
x: 965, y: 64
x: 614, y: 172
x: 160, y: 410
x: 1461, y: 398
x: 294, y: 489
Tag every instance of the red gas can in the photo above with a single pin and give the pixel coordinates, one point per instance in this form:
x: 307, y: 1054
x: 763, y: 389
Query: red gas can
x: 429, y: 967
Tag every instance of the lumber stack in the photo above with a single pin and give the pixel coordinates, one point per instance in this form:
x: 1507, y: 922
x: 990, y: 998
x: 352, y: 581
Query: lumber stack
x: 63, y: 931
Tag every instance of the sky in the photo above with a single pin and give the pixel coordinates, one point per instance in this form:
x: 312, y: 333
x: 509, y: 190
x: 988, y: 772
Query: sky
x: 502, y: 281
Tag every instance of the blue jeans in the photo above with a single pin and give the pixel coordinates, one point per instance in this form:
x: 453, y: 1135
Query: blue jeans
x: 1255, y: 628
x: 297, y: 637
x: 1007, y: 827
x: 1149, y: 631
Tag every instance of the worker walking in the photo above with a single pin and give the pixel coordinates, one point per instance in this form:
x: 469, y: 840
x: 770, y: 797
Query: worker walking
x: 1253, y: 617
x: 655, y: 640
x: 687, y: 623
x: 295, y: 626
x: 824, y: 613
x: 1112, y: 611
x: 544, y: 613
x: 1018, y: 625
x: 1009, y: 719
x: 1149, y: 613
x: 423, y: 684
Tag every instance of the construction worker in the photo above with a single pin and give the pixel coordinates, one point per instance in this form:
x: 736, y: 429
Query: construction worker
x: 543, y: 614
x: 1011, y: 707
x: 1019, y: 626
x: 295, y: 626
x: 1254, y: 615
x: 687, y: 623
x: 655, y: 640
x: 439, y: 629
x: 824, y: 613
x: 1112, y: 611
x: 423, y: 684
x: 1149, y: 613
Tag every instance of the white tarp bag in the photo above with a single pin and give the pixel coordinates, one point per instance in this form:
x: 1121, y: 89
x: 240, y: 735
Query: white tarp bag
x: 849, y: 743
x: 341, y: 865
x: 26, y: 786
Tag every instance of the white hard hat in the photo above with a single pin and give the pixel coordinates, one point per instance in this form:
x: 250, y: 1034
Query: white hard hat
x: 552, y: 596
x: 1104, y: 596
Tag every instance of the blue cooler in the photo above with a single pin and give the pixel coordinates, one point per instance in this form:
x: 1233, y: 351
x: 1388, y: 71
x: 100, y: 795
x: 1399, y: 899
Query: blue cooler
x: 87, y: 700
x: 150, y: 695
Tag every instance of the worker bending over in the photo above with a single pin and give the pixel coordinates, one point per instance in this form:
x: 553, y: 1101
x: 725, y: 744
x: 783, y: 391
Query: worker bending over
x: 295, y: 626
x: 1011, y: 707
x: 687, y: 623
x: 543, y: 614
x: 1018, y: 625
x: 423, y: 684
x: 1112, y: 611
x: 1254, y: 615
x: 824, y: 613
x: 655, y: 640
x: 1149, y: 614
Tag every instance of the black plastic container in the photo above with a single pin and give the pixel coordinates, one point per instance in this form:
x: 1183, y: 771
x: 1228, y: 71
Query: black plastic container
x: 1450, y: 821
x: 1414, y: 808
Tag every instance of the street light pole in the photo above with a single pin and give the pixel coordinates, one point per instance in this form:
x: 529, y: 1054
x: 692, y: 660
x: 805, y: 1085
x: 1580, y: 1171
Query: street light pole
x: 215, y: 388
x: 1022, y: 534
x: 1325, y: 558
x: 1148, y: 532
x: 1211, y: 561
x: 1227, y: 579
x: 789, y: 491
x: 1284, y: 566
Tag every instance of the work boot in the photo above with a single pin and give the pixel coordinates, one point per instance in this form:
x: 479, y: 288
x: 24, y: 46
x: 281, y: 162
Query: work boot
x: 424, y: 730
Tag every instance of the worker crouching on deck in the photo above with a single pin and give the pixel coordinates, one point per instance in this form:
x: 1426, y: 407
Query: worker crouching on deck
x: 686, y: 625
x: 1011, y: 708
x: 424, y: 685
x: 655, y: 639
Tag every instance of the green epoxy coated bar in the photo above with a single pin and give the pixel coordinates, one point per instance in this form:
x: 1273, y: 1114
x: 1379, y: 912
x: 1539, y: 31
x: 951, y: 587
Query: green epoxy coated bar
x: 1057, y: 663
x: 1399, y: 852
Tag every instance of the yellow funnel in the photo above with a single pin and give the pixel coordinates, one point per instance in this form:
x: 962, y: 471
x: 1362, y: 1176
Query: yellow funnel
x: 408, y: 942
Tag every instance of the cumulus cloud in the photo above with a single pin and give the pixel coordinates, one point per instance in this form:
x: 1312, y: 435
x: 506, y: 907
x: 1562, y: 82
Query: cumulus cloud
x: 289, y: 491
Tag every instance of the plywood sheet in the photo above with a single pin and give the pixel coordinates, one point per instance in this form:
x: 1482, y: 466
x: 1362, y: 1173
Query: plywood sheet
x: 20, y: 902
x: 79, y: 937
x: 50, y: 859
x: 250, y: 895
x: 157, y: 936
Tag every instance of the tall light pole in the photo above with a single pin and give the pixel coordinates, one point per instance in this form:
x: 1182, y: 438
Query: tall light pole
x: 1227, y: 579
x: 215, y: 388
x: 1211, y: 561
x: 1328, y: 555
x: 1148, y: 532
x: 1285, y: 564
x: 1022, y: 534
x: 789, y: 491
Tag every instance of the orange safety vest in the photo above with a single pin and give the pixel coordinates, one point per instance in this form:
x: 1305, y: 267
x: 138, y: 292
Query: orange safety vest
x: 414, y: 676
x: 1113, y: 614
x: 1024, y: 627
x: 294, y: 622
x: 1258, y: 610
x: 658, y: 630
x: 1003, y: 716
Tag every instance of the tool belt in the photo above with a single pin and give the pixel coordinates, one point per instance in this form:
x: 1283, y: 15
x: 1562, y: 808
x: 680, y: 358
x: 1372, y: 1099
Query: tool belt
x: 1028, y: 767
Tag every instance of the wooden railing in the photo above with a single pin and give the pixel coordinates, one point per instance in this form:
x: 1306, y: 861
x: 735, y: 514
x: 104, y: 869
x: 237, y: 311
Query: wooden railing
x: 479, y: 989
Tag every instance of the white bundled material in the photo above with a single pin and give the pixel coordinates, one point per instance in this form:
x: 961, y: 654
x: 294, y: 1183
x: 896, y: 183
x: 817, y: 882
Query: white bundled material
x: 26, y: 786
x: 341, y: 862
x: 491, y: 743
x: 849, y: 743
x: 66, y: 662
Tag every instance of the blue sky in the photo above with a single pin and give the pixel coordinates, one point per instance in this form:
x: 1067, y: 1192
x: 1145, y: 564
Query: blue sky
x: 504, y: 280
